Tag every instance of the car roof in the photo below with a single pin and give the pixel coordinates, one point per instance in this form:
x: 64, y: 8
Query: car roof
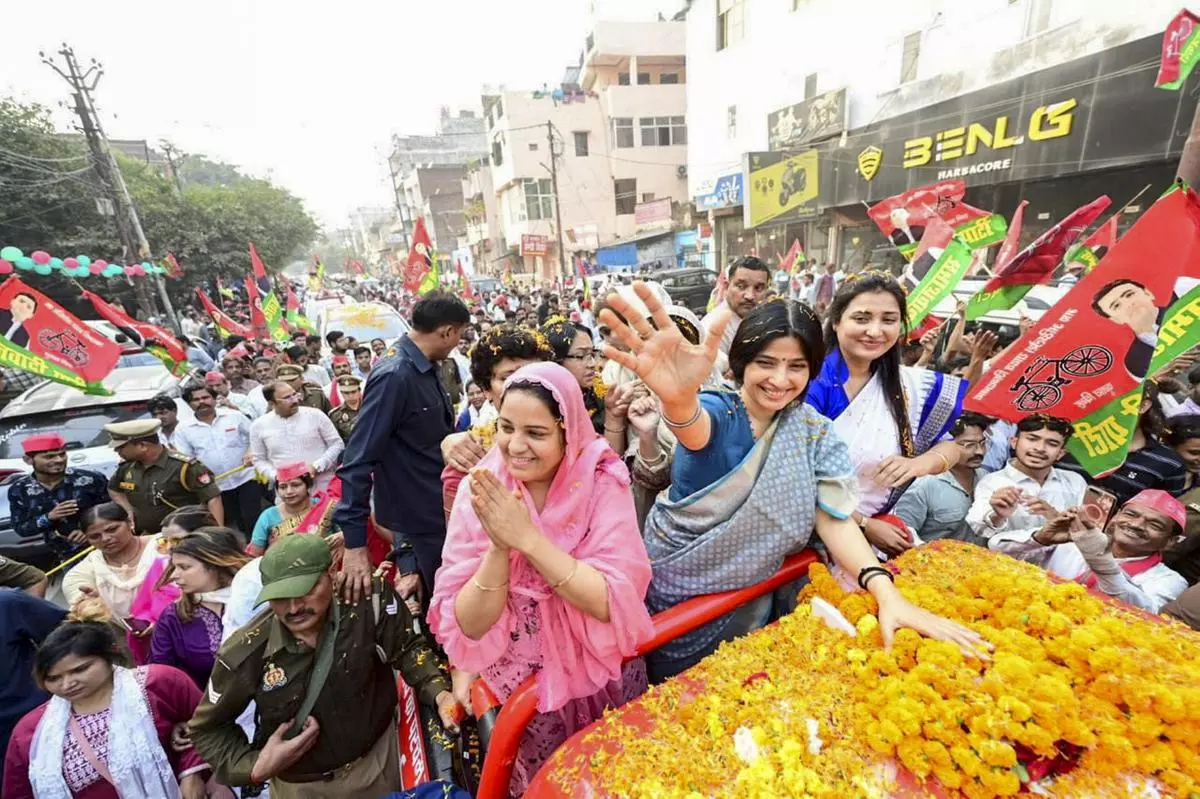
x: 131, y: 384
x: 681, y: 271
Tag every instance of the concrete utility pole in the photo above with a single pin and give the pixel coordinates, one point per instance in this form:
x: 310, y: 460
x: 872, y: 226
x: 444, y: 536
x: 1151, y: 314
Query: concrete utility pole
x: 562, y: 255
x: 129, y: 227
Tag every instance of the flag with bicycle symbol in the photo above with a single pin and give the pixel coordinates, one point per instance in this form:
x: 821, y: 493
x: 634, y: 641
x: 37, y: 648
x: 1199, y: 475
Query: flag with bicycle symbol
x: 1087, y: 357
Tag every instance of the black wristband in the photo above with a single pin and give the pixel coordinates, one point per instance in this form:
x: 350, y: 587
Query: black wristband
x: 868, y: 572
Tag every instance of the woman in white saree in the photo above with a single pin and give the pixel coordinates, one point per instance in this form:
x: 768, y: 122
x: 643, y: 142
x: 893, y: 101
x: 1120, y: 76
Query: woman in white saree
x: 893, y: 418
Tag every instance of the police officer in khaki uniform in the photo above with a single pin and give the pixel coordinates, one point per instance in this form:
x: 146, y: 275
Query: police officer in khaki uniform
x: 345, y: 415
x: 320, y: 673
x: 312, y: 394
x: 151, y: 480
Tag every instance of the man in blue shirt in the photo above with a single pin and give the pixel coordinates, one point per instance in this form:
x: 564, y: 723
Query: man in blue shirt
x: 395, y: 447
x: 24, y: 621
x: 51, y: 501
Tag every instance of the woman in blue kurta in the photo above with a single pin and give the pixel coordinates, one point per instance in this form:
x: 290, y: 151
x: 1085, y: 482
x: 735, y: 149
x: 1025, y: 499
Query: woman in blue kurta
x: 893, y: 418
x: 755, y: 471
x: 188, y: 633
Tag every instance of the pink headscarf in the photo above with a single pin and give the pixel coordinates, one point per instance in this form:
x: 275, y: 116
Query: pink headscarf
x: 589, y: 513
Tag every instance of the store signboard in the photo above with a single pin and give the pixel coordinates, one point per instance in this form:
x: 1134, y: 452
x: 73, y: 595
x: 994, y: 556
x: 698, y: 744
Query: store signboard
x: 1093, y: 113
x: 654, y: 215
x: 724, y: 192
x: 534, y: 245
x: 813, y: 119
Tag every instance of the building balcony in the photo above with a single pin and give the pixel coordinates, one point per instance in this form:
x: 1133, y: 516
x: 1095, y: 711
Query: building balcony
x: 654, y: 100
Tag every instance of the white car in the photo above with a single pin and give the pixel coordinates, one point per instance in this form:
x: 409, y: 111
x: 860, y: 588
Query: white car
x: 80, y: 418
x: 1039, y: 300
x: 364, y: 321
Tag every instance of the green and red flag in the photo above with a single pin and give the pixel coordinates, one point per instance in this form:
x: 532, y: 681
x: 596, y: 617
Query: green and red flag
x: 174, y: 270
x: 1180, y: 51
x: 1086, y: 358
x: 297, y: 320
x: 1095, y: 246
x: 464, y: 282
x: 795, y: 256
x: 224, y: 323
x: 939, y: 263
x: 432, y: 279
x: 153, y: 338
x: 39, y: 336
x: 420, y: 259
x: 904, y: 217
x: 1034, y: 264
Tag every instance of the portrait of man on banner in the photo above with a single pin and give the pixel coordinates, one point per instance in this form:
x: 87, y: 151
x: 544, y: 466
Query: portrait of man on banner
x: 19, y: 310
x: 1125, y: 301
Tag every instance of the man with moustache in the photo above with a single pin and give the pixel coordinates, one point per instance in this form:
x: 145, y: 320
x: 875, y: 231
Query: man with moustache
x: 320, y: 671
x: 935, y: 506
x: 1124, y: 560
x: 346, y: 414
x: 749, y: 279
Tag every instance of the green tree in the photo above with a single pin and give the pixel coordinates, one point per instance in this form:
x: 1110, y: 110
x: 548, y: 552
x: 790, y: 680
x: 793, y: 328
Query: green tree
x: 49, y: 202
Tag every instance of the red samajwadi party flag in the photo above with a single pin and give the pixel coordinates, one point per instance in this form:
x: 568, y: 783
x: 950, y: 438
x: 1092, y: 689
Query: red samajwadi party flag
x: 153, y: 338
x: 1035, y: 263
x: 794, y: 257
x: 39, y: 336
x: 420, y: 258
x: 1180, y: 50
x: 1086, y: 358
x: 222, y: 320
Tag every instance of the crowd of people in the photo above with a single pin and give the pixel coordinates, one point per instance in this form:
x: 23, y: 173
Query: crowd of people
x: 542, y: 473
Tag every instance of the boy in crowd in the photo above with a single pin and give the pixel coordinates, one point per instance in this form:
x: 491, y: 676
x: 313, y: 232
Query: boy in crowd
x: 1029, y: 490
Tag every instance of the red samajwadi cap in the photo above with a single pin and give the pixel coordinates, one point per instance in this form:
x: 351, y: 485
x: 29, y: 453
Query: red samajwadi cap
x: 340, y: 359
x: 213, y: 377
x: 46, y: 442
x: 290, y: 471
x: 1164, y: 503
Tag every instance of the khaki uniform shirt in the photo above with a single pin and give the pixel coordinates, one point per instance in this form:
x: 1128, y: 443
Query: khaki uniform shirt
x: 343, y: 419
x: 264, y: 663
x: 172, y: 481
x: 314, y: 397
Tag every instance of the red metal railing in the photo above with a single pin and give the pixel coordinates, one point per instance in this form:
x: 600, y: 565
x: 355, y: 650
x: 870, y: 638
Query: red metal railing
x: 519, y: 710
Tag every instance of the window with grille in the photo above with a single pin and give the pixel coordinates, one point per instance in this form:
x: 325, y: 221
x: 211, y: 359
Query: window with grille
x: 581, y: 142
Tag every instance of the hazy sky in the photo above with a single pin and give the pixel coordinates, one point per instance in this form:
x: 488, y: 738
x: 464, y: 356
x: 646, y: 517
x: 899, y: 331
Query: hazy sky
x: 306, y: 93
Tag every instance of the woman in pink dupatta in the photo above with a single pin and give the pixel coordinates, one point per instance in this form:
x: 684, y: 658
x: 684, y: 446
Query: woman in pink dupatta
x: 544, y: 571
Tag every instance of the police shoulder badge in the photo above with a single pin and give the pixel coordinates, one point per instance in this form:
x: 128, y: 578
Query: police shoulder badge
x: 273, y: 678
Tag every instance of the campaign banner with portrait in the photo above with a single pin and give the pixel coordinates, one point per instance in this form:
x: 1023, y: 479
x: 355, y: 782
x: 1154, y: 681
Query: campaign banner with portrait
x: 39, y: 336
x: 1086, y: 358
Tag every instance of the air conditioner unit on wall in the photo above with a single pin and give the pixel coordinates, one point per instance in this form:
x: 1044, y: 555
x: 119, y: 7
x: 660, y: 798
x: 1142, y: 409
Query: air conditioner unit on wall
x: 681, y: 170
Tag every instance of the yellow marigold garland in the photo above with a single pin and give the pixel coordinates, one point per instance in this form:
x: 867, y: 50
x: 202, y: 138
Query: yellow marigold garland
x: 1068, y: 670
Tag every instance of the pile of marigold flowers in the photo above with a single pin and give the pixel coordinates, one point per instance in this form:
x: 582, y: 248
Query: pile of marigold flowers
x: 1080, y: 699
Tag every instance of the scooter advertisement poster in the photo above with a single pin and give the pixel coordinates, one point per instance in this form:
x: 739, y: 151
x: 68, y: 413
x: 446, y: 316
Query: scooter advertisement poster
x: 1086, y: 358
x: 780, y: 186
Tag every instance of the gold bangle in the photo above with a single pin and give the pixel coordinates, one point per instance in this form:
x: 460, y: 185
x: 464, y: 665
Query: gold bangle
x: 566, y: 579
x: 945, y: 460
x: 483, y: 587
